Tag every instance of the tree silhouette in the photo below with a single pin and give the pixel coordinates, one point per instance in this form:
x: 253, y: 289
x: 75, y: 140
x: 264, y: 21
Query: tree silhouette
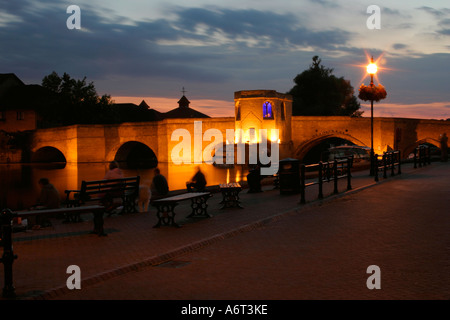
x: 317, y: 92
x: 78, y: 101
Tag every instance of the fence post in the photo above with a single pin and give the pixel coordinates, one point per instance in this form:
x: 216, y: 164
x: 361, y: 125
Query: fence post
x: 420, y: 157
x: 328, y: 170
x: 415, y: 158
x: 302, y: 184
x: 8, y: 256
x: 335, y: 175
x: 349, y: 173
x: 376, y: 169
x: 320, y: 180
x: 392, y: 164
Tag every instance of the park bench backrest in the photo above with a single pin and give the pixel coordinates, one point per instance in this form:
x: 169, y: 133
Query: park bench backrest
x: 93, y: 190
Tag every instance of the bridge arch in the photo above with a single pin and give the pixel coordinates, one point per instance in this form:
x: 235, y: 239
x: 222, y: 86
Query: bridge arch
x: 135, y: 154
x: 48, y: 154
x: 318, y: 142
x: 410, y: 149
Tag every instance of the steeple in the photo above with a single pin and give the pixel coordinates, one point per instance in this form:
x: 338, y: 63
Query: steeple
x: 183, y: 102
x: 184, y: 111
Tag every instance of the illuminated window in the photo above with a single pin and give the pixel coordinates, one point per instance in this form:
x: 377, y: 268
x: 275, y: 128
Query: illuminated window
x: 267, y: 110
x: 252, y: 135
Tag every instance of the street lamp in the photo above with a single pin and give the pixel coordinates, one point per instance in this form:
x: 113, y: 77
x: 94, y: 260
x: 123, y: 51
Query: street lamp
x: 372, y: 93
x: 372, y: 70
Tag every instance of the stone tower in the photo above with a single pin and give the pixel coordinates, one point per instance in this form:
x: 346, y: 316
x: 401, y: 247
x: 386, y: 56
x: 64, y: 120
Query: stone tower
x: 264, y: 109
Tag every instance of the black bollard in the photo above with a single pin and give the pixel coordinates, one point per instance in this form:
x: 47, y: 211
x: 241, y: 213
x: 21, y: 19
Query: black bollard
x: 320, y: 179
x: 335, y: 176
x: 415, y: 158
x: 349, y: 173
x: 8, y: 257
x: 376, y: 170
x: 302, y: 184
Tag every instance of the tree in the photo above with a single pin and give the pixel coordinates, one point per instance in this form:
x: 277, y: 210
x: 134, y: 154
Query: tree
x: 317, y: 92
x: 79, y: 102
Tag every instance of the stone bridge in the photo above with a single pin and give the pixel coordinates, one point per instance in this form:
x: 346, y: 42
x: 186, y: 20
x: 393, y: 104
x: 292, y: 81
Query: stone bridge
x: 104, y: 143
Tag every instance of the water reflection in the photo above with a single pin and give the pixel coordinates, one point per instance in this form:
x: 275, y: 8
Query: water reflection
x: 19, y: 187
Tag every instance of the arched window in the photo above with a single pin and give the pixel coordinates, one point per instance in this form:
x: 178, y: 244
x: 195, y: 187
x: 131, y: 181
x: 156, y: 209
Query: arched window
x: 267, y: 110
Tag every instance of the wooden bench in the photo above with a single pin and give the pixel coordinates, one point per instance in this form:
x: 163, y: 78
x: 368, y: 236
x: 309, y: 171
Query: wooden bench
x: 165, y: 207
x: 97, y: 210
x: 104, y: 191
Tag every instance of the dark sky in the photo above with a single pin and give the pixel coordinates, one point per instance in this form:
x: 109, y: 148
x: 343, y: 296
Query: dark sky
x: 152, y: 49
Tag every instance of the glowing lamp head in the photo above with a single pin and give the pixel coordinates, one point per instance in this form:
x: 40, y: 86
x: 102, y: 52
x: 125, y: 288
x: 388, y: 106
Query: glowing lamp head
x: 372, y: 68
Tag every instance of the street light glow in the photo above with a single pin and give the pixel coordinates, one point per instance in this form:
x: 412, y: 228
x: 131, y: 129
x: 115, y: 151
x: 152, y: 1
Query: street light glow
x: 372, y: 68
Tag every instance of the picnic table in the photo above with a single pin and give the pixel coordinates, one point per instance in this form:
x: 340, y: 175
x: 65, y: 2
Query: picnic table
x: 165, y: 207
x: 230, y: 195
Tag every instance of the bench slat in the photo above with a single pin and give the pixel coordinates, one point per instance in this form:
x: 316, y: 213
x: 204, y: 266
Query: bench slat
x: 59, y: 210
x: 184, y: 196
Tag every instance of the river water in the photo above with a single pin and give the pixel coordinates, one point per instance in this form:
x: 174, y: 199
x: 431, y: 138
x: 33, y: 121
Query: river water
x: 19, y: 187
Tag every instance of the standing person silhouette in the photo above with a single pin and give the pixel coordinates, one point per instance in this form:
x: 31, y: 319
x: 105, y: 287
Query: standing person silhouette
x: 114, y: 172
x: 159, y: 187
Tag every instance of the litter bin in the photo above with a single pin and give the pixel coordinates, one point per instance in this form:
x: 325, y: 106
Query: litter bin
x: 289, y: 176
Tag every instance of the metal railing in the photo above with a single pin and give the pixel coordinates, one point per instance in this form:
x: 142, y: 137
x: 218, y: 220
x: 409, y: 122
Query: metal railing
x: 330, y: 171
x: 421, y: 156
x: 390, y: 160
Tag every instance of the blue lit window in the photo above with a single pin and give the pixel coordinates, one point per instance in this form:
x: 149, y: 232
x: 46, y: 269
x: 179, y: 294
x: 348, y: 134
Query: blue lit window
x: 267, y: 110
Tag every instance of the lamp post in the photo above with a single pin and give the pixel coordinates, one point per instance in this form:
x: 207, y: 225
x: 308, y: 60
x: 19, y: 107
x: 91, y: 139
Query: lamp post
x: 371, y: 69
x: 372, y: 93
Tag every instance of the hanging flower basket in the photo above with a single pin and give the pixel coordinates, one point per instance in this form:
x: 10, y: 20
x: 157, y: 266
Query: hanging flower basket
x: 375, y: 93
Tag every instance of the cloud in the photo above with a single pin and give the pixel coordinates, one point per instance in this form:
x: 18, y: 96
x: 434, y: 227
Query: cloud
x: 398, y: 46
x: 214, y: 51
x: 433, y: 12
x: 192, y: 46
x: 439, y: 110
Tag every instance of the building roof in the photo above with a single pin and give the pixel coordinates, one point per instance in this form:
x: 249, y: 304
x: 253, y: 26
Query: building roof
x: 144, y: 104
x: 184, y: 111
x: 31, y: 97
x: 8, y: 81
x: 130, y: 112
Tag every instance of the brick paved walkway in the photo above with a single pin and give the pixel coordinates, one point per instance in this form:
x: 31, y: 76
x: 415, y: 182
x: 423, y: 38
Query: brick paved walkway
x: 274, y: 248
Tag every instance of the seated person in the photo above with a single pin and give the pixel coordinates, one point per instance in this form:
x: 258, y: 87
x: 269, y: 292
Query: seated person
x: 114, y: 171
x: 197, y: 183
x: 159, y: 187
x: 254, y: 180
x: 48, y: 199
